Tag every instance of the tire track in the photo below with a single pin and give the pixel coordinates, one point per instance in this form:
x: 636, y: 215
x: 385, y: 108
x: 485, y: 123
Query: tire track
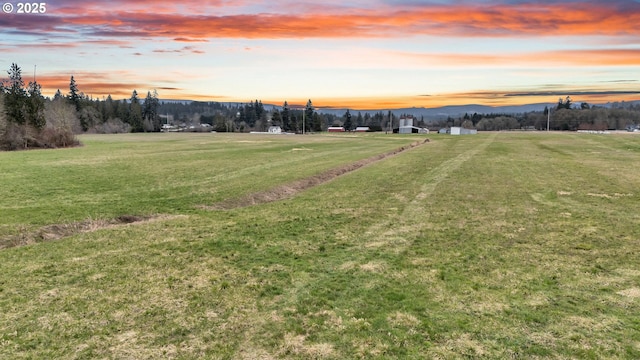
x: 397, y: 230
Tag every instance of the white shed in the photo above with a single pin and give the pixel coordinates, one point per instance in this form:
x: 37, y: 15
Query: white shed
x: 456, y: 130
x: 275, y: 130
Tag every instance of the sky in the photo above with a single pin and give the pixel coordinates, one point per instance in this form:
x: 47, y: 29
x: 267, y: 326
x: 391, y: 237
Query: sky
x: 359, y: 54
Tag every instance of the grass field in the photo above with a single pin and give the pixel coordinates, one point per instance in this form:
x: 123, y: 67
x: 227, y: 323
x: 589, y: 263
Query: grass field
x: 500, y: 245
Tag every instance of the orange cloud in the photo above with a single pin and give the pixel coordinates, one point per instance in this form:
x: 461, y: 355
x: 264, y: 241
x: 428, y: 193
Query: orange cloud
x: 91, y: 84
x: 163, y: 19
x: 580, y: 57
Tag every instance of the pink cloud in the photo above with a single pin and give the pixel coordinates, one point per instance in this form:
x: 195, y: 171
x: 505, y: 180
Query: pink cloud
x: 163, y: 19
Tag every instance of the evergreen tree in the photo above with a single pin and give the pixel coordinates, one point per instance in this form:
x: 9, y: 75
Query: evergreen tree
x: 74, y: 95
x: 276, y: 118
x: 109, y: 110
x: 150, y: 112
x: 259, y: 109
x: 15, y: 96
x: 316, y: 122
x: 35, y: 106
x: 568, y: 103
x: 564, y: 104
x: 348, y: 124
x: 359, y: 119
x: 135, y: 113
x: 309, y: 111
x: 121, y: 110
x: 286, y: 117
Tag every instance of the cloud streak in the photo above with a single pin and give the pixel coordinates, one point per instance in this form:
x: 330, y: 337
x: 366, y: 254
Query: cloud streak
x: 494, y: 19
x: 577, y: 57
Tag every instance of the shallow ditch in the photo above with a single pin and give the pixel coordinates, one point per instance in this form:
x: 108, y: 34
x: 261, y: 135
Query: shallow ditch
x: 58, y: 231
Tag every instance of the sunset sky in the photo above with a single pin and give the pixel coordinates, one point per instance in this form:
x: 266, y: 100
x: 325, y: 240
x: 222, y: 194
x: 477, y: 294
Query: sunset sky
x: 363, y: 54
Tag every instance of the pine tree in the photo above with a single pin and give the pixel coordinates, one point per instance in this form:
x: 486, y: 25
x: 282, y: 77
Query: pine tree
x: 150, y: 112
x: 286, y: 117
x: 316, y: 122
x: 359, y: 120
x: 74, y: 95
x: 348, y: 124
x: 276, y: 118
x: 15, y: 96
x: 135, y: 113
x: 35, y: 106
x: 308, y: 114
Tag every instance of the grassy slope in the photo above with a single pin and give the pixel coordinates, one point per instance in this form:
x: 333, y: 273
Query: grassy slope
x: 497, y: 245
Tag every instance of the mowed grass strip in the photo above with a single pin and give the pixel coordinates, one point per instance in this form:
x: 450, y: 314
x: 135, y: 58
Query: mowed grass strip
x: 495, y: 245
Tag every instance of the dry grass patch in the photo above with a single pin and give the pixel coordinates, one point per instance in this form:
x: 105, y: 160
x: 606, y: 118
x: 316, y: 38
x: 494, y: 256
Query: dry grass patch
x: 609, y: 196
x: 633, y: 293
x: 374, y: 266
x: 398, y: 319
x: 297, y: 345
x: 332, y: 320
x: 461, y: 345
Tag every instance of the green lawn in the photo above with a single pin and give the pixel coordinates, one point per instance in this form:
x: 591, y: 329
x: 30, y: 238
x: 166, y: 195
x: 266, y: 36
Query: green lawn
x: 499, y: 245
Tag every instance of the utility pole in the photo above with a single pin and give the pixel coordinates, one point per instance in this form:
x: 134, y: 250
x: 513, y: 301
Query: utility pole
x: 548, y: 118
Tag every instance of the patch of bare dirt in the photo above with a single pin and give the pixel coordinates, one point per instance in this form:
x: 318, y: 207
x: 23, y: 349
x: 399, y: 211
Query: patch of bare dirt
x: 289, y: 190
x: 59, y: 231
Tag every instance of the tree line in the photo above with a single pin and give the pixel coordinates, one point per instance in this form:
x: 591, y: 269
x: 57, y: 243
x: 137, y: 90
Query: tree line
x: 566, y: 116
x: 30, y: 120
x: 254, y: 115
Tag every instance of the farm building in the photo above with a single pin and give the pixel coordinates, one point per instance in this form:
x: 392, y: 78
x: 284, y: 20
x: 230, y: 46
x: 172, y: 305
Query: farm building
x: 406, y: 126
x: 335, y: 129
x: 456, y: 130
x: 362, y: 129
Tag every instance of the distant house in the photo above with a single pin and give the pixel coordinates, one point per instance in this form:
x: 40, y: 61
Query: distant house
x: 456, y: 130
x: 335, y: 129
x: 275, y: 130
x: 362, y: 129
